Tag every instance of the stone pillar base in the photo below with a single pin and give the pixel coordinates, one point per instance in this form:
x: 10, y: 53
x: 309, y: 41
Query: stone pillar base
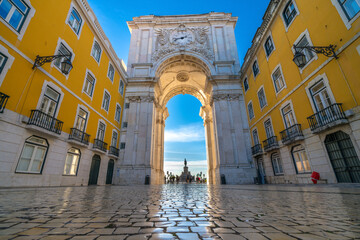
x: 129, y: 175
x: 235, y: 175
x: 157, y: 176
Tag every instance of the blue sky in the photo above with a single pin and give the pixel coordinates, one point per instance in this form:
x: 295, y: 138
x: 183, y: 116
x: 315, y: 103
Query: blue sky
x: 184, y: 128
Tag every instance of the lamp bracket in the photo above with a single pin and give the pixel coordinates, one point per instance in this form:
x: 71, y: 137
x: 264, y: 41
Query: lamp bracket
x: 328, y: 51
x: 39, y: 61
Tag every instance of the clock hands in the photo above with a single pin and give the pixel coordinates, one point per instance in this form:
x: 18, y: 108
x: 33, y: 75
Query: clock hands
x: 183, y: 37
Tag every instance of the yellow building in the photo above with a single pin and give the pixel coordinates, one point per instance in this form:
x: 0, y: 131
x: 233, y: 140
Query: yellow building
x: 57, y: 128
x: 304, y: 119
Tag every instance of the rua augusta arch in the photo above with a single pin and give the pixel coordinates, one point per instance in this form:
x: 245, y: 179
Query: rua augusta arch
x: 189, y: 54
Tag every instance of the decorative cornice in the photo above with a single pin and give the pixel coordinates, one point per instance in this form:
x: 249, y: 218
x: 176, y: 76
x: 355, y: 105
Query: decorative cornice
x: 225, y: 96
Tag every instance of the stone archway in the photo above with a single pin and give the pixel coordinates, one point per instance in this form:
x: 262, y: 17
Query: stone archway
x: 174, y: 55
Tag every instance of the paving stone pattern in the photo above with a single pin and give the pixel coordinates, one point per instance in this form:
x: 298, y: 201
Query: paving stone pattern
x: 183, y: 211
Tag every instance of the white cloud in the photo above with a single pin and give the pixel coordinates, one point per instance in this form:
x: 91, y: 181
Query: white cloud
x: 189, y: 133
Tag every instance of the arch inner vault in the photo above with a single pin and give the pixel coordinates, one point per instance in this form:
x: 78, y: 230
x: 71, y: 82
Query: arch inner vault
x: 190, y: 54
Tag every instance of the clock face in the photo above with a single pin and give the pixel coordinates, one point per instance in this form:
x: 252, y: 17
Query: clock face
x: 181, y: 38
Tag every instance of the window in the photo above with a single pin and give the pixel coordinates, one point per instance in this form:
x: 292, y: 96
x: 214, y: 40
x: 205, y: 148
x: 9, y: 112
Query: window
x: 14, y: 12
x: 268, y: 129
x: 255, y: 137
x: 3, y: 60
x: 288, y: 116
x: 246, y: 84
x: 96, y: 51
x: 301, y: 161
x: 278, y: 79
x: 75, y: 21
x: 320, y: 96
x: 114, y: 139
x: 127, y: 105
x: 255, y: 68
x: 251, y: 110
x: 308, y: 53
x: 72, y: 162
x: 33, y: 155
x: 101, y: 131
x: 121, y: 87
x: 350, y: 7
x: 269, y: 46
x: 89, y: 84
x: 289, y: 12
x: 49, y: 102
x: 117, y: 113
x: 262, y: 98
x: 106, y: 101
x: 122, y: 145
x: 111, y: 72
x: 276, y: 163
x: 81, y: 120
x: 62, y: 51
x: 125, y: 124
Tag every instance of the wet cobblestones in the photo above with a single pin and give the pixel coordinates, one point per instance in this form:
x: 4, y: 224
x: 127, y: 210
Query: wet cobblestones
x: 181, y: 212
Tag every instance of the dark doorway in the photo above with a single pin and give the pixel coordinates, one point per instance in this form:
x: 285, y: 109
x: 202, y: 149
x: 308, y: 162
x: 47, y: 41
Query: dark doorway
x: 110, y: 171
x: 343, y: 157
x: 260, y: 171
x: 94, y: 170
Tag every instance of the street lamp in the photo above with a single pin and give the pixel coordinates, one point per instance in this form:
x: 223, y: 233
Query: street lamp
x: 300, y: 59
x: 65, y: 65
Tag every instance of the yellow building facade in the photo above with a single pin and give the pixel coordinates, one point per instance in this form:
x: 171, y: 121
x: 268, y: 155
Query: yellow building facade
x: 305, y: 119
x: 57, y: 128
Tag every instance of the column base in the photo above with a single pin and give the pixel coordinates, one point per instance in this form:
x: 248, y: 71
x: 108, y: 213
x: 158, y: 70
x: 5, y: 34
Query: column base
x: 237, y: 175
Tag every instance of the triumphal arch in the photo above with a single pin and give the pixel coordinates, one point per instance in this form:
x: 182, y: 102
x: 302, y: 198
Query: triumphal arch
x: 184, y: 54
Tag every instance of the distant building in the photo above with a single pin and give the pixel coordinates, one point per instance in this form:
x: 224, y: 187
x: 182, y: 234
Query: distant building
x: 305, y: 118
x: 185, y: 175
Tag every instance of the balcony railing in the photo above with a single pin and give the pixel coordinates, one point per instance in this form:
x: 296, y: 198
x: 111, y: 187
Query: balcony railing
x: 45, y: 121
x: 80, y: 136
x: 3, y: 100
x: 99, y: 144
x: 291, y: 134
x: 256, y: 149
x: 270, y: 143
x: 114, y: 151
x: 326, y: 116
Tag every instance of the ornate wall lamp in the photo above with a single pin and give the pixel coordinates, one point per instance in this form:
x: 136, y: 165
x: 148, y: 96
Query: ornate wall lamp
x: 300, y: 59
x: 65, y: 66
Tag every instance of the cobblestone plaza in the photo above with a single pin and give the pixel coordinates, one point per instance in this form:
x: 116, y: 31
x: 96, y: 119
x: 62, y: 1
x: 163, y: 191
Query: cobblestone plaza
x: 183, y: 211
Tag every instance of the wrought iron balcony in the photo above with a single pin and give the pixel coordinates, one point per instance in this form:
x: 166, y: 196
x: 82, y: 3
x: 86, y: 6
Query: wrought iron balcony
x: 256, y: 150
x: 292, y: 134
x: 80, y: 136
x: 113, y: 151
x: 328, y: 117
x: 3, y: 100
x: 270, y: 144
x: 45, y: 121
x: 99, y: 144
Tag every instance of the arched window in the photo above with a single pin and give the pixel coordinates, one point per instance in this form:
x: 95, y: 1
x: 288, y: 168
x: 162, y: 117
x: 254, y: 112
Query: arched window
x: 75, y: 21
x: 96, y: 51
x: 301, y: 160
x: 72, y: 162
x: 111, y: 72
x: 277, y: 164
x: 33, y: 155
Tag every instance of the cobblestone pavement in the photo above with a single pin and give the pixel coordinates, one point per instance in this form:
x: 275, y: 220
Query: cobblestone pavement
x: 181, y: 212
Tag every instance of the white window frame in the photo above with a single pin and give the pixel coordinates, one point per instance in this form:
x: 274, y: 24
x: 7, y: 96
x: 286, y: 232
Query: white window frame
x: 117, y: 140
x: 77, y: 165
x: 289, y: 102
x: 61, y: 41
x: 257, y: 94
x: 122, y: 94
x: 282, y: 75
x: 272, y: 127
x: 272, y: 40
x: 307, y: 35
x: 279, y: 162
x: 8, y: 64
x: 246, y: 78
x: 57, y: 89
x: 321, y: 77
x: 252, y: 106
x: 102, y: 103
x: 348, y: 23
x: 26, y: 22
x: 97, y: 130
x: 93, y: 75
x: 282, y: 16
x: 72, y: 6
x: 252, y: 69
x: 101, y: 51
x: 252, y: 135
x: 85, y: 109
x: 112, y: 80
x: 117, y: 104
x: 294, y: 162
